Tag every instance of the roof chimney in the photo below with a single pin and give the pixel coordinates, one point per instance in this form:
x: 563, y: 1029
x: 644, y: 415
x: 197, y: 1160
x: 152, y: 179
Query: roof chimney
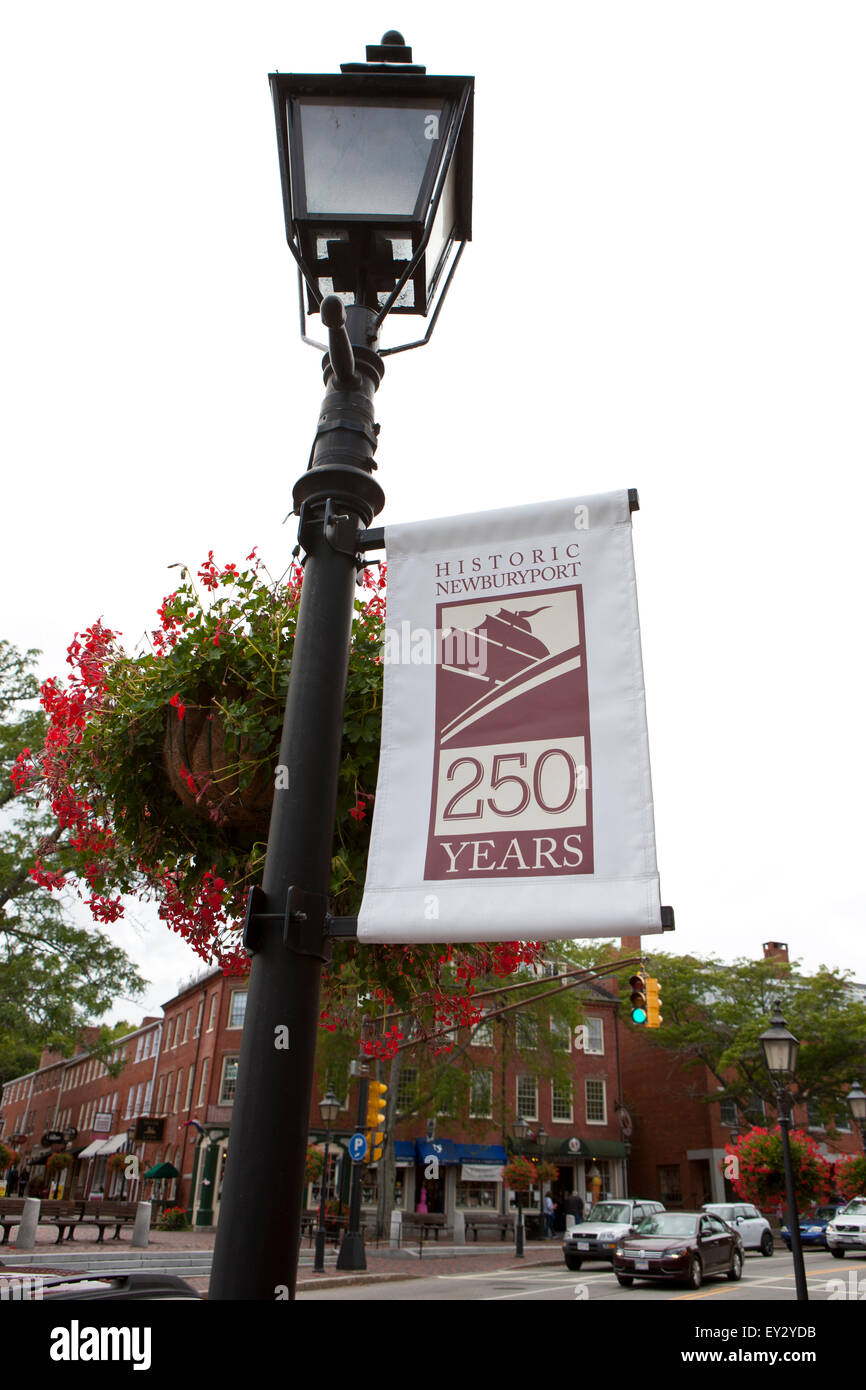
x: 776, y: 950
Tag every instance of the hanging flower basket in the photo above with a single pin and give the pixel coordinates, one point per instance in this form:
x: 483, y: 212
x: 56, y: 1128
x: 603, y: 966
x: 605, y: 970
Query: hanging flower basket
x: 57, y: 1162
x: 117, y: 1161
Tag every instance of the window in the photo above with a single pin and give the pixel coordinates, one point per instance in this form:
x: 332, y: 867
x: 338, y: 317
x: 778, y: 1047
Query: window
x: 212, y: 1015
x: 177, y: 1089
x: 186, y: 1023
x: 238, y: 1008
x: 482, y: 1034
x: 129, y: 1102
x: 816, y: 1120
x: 670, y: 1183
x: 229, y: 1080
x: 188, y: 1098
x: 198, y: 1019
x: 562, y: 1103
x: 527, y: 1097
x: 728, y: 1114
x: 160, y: 1089
x: 481, y: 1095
x: 560, y: 1035
x: 596, y: 1107
x: 527, y: 1031
x: 594, y: 1037
x: 407, y: 1090
x: 202, y: 1089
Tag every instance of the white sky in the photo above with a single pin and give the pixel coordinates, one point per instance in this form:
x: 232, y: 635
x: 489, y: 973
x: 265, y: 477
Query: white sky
x: 666, y: 290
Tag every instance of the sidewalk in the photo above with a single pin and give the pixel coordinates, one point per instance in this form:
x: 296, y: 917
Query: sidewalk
x: 383, y: 1263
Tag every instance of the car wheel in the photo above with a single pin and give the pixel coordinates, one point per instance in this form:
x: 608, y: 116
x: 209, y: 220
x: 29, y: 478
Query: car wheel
x: 838, y: 1254
x: 626, y: 1280
x: 736, y: 1270
x: 767, y: 1245
x: 696, y: 1274
x: 572, y: 1263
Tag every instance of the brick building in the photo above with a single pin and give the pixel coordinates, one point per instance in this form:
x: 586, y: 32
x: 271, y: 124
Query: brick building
x: 179, y: 1073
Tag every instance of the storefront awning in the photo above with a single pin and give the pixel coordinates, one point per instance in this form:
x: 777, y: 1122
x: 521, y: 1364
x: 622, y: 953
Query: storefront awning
x: 481, y: 1153
x: 92, y: 1149
x: 113, y: 1145
x: 601, y: 1148
x: 443, y: 1150
x: 404, y: 1152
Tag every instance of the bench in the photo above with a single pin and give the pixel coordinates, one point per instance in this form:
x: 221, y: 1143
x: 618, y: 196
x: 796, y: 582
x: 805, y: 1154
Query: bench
x: 488, y: 1221
x: 64, y: 1214
x: 116, y: 1214
x: 423, y: 1224
x: 11, y: 1209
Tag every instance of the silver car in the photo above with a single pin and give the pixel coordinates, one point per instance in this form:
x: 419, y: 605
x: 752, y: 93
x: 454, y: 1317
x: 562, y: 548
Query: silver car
x: 610, y: 1220
x: 753, y: 1229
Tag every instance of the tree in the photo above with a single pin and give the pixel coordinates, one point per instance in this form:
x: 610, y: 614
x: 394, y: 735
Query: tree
x: 55, y: 976
x: 714, y: 1013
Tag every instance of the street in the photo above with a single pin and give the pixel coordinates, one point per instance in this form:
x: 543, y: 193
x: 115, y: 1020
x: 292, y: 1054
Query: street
x: 763, y: 1281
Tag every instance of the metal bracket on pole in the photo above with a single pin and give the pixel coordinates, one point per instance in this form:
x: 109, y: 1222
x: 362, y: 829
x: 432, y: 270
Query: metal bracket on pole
x: 304, y: 925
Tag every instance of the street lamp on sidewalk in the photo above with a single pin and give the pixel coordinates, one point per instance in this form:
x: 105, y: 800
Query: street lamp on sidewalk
x: 856, y: 1099
x: 376, y: 173
x: 781, y: 1049
x: 329, y: 1109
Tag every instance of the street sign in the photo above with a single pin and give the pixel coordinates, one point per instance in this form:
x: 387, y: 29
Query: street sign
x: 358, y: 1148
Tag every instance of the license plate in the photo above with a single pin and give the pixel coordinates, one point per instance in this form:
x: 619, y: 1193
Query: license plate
x: 583, y: 1245
x: 641, y: 1264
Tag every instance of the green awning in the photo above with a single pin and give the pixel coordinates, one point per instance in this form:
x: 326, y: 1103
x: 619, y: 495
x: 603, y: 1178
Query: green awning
x: 162, y: 1170
x: 566, y: 1149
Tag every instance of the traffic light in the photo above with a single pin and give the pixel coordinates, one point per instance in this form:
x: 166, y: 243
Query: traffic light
x: 376, y: 1105
x: 653, y: 1003
x: 638, y: 999
x: 375, y: 1145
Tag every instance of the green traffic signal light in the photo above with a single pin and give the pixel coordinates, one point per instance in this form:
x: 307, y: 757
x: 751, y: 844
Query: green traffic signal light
x: 637, y: 999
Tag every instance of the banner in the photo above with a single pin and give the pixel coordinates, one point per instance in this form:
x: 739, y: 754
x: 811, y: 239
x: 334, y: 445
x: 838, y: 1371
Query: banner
x: 514, y: 799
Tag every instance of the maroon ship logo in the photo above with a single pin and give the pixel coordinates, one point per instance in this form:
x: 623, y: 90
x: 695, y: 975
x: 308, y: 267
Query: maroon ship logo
x: 511, y: 777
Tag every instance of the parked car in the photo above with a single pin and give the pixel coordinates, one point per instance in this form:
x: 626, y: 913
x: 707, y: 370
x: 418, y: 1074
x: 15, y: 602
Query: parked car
x: 813, y: 1226
x: 753, y: 1229
x: 847, y: 1230
x: 679, y: 1246
x: 596, y: 1238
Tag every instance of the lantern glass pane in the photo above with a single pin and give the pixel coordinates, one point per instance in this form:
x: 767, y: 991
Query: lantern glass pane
x: 780, y: 1055
x: 363, y: 159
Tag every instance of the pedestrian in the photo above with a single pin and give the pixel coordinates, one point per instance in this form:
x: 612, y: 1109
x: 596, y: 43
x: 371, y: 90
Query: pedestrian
x: 549, y: 1212
x: 574, y: 1206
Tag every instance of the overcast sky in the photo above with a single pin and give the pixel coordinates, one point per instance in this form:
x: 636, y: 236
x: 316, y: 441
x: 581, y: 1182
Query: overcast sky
x: 666, y: 290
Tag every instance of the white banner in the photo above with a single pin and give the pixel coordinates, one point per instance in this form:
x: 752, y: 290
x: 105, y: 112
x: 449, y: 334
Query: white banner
x: 514, y: 799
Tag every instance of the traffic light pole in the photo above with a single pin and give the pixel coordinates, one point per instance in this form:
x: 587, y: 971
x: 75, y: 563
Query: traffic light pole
x: 352, y: 1253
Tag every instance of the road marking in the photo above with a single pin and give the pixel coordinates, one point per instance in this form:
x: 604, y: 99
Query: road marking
x: 524, y: 1293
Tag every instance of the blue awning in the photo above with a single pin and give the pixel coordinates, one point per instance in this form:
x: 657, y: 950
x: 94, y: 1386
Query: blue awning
x: 404, y: 1150
x: 481, y: 1153
x: 443, y: 1150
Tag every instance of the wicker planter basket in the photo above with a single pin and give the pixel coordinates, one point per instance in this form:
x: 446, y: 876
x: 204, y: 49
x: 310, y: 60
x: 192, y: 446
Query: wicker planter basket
x: 226, y: 790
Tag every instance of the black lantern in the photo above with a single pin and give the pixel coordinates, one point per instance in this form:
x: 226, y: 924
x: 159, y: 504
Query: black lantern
x: 856, y: 1099
x: 780, y: 1048
x: 520, y: 1128
x: 376, y: 171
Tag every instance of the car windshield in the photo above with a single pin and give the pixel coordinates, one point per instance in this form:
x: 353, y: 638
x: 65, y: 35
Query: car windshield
x: 857, y: 1207
x: 823, y: 1214
x: 611, y: 1211
x: 667, y: 1223
x: 726, y: 1213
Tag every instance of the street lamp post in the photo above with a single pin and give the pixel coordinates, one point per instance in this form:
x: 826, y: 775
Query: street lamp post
x: 856, y: 1099
x: 780, y: 1049
x: 329, y: 1109
x: 376, y: 175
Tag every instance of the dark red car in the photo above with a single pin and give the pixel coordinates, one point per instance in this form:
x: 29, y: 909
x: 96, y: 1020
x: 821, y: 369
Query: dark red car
x: 688, y: 1246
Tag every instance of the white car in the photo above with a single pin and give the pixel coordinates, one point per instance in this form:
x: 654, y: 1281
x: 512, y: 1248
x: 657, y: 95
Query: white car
x: 596, y: 1238
x: 753, y: 1229
x: 847, y: 1230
